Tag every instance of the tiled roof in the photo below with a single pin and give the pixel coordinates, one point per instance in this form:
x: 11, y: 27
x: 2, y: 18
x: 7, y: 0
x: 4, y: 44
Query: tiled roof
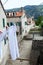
x: 19, y: 13
x: 12, y: 10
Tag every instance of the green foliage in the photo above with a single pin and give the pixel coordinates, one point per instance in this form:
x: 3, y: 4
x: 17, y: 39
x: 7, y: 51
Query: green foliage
x: 41, y: 25
x: 39, y: 20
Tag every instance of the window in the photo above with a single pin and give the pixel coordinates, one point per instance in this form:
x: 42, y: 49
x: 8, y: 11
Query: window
x: 3, y: 22
x: 11, y: 23
x: 8, y: 24
x: 13, y: 13
x: 7, y: 14
x: 18, y: 23
x: 26, y: 23
x: 29, y: 21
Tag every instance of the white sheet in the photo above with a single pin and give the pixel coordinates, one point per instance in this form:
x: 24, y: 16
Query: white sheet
x: 2, y: 35
x: 13, y: 44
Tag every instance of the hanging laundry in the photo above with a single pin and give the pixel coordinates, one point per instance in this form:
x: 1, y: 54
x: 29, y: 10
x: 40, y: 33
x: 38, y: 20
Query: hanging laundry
x: 0, y: 51
x: 2, y: 35
x: 13, y: 44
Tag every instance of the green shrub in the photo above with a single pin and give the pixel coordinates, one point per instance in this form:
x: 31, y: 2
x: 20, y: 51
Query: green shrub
x: 38, y: 21
x: 41, y: 25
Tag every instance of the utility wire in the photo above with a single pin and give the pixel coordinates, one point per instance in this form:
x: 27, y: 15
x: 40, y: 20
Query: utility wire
x: 5, y: 2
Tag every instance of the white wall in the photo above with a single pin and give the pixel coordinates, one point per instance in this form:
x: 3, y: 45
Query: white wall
x: 23, y: 20
x: 25, y: 28
x: 2, y: 15
x: 3, y: 47
x: 15, y: 19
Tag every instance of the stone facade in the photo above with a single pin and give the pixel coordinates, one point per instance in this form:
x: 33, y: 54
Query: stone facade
x: 37, y: 47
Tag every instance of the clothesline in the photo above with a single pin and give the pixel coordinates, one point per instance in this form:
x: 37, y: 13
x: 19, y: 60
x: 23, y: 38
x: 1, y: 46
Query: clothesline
x: 13, y: 43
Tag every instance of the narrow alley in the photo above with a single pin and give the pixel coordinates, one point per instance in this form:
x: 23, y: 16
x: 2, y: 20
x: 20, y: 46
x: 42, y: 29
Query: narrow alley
x: 25, y: 48
x: 21, y: 32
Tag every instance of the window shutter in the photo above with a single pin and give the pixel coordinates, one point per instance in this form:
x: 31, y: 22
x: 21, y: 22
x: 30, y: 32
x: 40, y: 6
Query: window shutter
x: 3, y: 22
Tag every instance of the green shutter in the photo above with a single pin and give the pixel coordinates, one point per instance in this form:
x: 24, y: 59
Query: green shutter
x: 3, y: 22
x: 26, y: 23
x: 18, y: 23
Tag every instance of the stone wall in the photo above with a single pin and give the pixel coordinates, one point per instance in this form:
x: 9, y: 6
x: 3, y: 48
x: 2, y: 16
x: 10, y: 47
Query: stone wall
x: 37, y: 46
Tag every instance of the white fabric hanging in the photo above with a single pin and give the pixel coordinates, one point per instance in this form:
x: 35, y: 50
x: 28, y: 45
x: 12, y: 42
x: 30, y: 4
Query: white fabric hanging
x: 13, y: 44
x: 2, y: 35
x: 0, y: 50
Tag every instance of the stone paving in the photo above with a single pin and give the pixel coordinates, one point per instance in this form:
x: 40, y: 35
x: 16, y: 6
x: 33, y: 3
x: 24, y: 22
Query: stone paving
x: 25, y: 48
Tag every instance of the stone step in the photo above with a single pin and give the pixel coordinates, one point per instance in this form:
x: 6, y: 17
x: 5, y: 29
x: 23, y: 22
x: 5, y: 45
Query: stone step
x: 28, y: 37
x: 17, y: 62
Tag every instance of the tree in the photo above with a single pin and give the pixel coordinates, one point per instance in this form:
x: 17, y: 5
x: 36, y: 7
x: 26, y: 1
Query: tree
x: 38, y: 21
